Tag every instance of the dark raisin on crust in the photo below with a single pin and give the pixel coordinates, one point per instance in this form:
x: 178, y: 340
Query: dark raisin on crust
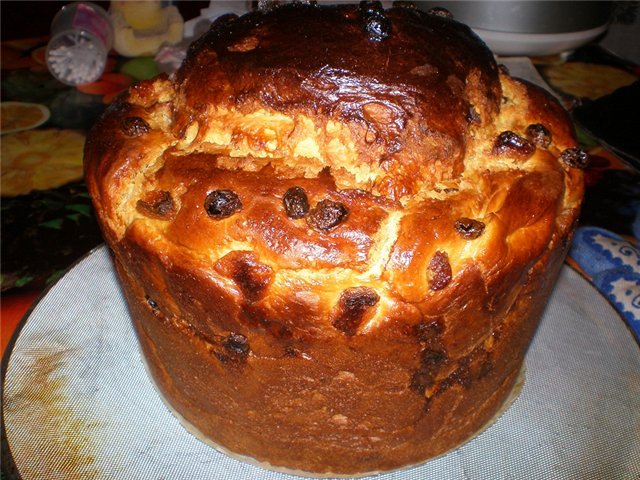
x: 152, y: 303
x: 353, y: 304
x: 575, y: 157
x: 155, y: 308
x: 431, y: 357
x: 327, y: 215
x: 512, y: 144
x: 473, y: 116
x: 135, y: 127
x: 157, y: 204
x: 440, y: 269
x: 237, y: 344
x: 244, y: 267
x: 433, y: 354
x: 539, y: 135
x: 374, y: 21
x: 440, y: 12
x: 221, y: 204
x: 431, y: 361
x: 469, y: 228
x: 296, y: 203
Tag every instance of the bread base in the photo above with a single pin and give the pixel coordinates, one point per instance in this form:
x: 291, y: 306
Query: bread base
x: 193, y: 430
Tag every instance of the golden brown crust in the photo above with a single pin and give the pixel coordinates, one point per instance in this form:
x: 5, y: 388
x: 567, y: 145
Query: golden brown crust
x: 335, y: 257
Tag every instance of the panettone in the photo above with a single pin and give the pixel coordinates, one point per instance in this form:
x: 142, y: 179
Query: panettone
x: 336, y: 228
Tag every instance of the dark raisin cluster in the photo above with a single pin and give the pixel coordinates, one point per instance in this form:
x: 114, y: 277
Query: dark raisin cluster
x: 513, y: 144
x: 325, y: 216
x: 433, y: 355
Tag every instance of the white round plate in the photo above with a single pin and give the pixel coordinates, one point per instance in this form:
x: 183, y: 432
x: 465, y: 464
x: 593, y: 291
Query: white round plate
x: 78, y: 404
x: 537, y: 44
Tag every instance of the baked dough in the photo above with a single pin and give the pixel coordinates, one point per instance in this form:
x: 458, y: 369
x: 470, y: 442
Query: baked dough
x: 336, y: 228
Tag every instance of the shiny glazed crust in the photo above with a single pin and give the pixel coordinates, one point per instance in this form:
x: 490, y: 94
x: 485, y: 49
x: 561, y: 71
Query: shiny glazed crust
x: 336, y: 229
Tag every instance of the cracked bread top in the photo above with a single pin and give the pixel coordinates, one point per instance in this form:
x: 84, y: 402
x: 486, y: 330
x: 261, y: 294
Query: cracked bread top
x: 340, y: 168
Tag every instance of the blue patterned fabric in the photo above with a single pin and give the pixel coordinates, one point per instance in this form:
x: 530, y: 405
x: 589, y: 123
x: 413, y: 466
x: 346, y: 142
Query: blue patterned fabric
x: 613, y: 264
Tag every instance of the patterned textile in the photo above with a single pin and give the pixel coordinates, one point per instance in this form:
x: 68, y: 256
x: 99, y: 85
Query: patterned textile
x: 613, y: 265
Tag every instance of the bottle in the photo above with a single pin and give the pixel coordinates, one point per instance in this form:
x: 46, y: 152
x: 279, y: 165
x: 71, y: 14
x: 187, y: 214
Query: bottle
x: 81, y: 37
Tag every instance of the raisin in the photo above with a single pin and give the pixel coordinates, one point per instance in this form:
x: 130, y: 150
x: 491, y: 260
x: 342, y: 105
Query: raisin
x: 431, y: 361
x: 441, y: 271
x: 327, y: 215
x: 353, y: 304
x: 539, y: 135
x: 152, y: 303
x: 432, y: 358
x: 295, y: 202
x: 469, y: 228
x: 237, y: 344
x: 513, y: 144
x: 135, y: 127
x: 221, y: 204
x: 157, y: 204
x: 252, y: 277
x: 473, y: 116
x: 374, y: 21
x: 440, y: 12
x: 575, y: 157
